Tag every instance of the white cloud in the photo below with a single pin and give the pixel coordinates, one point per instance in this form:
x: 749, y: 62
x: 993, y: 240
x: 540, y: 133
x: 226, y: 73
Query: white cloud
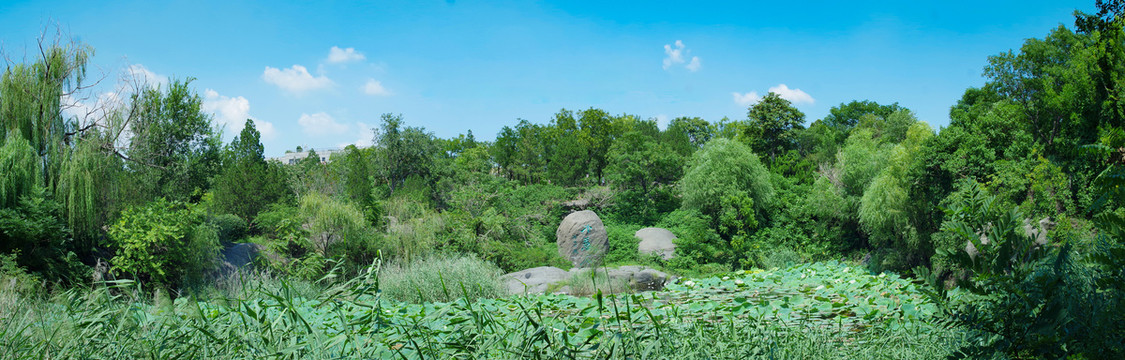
x: 233, y: 112
x: 376, y: 88
x: 694, y: 65
x: 139, y: 74
x: 794, y: 95
x: 337, y: 55
x: 746, y: 99
x: 295, y: 79
x: 676, y: 54
x: 365, y: 136
x: 321, y: 124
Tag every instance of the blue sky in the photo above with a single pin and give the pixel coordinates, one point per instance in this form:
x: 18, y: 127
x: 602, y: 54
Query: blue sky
x: 321, y: 73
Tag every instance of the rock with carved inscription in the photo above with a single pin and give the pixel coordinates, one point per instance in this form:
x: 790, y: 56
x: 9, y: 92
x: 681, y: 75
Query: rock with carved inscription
x: 582, y: 239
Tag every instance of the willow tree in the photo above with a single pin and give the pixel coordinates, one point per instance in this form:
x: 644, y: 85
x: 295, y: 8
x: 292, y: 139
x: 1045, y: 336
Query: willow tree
x: 19, y: 169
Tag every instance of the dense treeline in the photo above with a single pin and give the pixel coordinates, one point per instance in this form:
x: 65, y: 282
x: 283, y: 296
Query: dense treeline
x: 149, y: 191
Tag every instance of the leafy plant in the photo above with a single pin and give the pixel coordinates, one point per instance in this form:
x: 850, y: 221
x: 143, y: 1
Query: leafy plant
x: 165, y: 243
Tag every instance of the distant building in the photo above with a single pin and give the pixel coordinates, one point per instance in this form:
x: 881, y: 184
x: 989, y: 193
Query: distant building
x: 294, y: 157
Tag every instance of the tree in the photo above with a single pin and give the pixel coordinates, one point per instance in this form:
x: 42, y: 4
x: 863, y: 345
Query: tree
x: 722, y: 177
x: 406, y: 152
x: 165, y: 243
x: 686, y: 135
x: 886, y: 211
x: 173, y: 141
x: 568, y: 159
x: 771, y: 126
x: 247, y: 183
x: 642, y: 170
x: 844, y: 117
x: 19, y: 169
x: 597, y: 136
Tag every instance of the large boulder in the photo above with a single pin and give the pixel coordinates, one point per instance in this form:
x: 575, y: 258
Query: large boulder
x: 582, y: 239
x: 656, y: 241
x: 534, y: 280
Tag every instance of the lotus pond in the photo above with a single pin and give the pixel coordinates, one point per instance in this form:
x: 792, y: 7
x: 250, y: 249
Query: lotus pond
x: 821, y: 310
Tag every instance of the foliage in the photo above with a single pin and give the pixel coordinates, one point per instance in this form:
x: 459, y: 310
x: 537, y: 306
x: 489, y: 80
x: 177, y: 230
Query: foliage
x: 174, y: 148
x: 773, y: 126
x: 1024, y: 299
x: 405, y: 152
x: 20, y: 170
x: 726, y: 172
x: 165, y: 243
x: 335, y: 227
x: 642, y: 171
x: 34, y: 231
x: 814, y: 311
x: 697, y: 242
x: 247, y: 183
x: 441, y: 278
x: 228, y: 227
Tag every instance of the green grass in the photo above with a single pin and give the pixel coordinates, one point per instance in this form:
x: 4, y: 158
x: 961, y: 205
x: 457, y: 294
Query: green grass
x: 776, y: 314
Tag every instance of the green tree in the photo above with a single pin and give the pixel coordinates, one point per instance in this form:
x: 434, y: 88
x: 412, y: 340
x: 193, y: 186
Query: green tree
x: 405, y: 152
x: 845, y: 117
x: 174, y: 146
x: 642, y: 170
x: 772, y: 124
x: 724, y: 180
x: 247, y: 183
x: 597, y: 136
x: 568, y: 157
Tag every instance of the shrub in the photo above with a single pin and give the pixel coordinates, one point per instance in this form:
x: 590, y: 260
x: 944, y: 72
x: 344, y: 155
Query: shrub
x: 441, y: 278
x: 165, y: 243
x: 35, y: 229
x: 622, y: 244
x: 230, y: 227
x: 1025, y: 300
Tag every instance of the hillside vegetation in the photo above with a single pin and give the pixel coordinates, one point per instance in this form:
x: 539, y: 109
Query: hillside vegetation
x: 864, y: 234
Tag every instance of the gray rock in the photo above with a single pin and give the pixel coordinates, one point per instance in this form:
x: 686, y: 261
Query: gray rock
x: 656, y: 241
x: 534, y: 280
x: 582, y: 239
x: 239, y: 256
x: 650, y: 280
x: 640, y: 278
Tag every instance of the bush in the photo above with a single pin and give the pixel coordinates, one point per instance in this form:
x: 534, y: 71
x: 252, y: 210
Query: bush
x: 697, y: 242
x: 165, y: 243
x: 441, y: 278
x: 35, y: 230
x: 230, y: 228
x: 1025, y: 300
x: 622, y: 244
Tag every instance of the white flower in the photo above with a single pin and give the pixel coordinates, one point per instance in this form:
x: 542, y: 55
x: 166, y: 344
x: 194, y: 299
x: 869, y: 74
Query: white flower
x: 883, y: 275
x: 851, y: 281
x: 847, y: 269
x: 802, y: 276
x: 819, y: 287
x: 738, y: 282
x: 689, y: 283
x: 725, y: 278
